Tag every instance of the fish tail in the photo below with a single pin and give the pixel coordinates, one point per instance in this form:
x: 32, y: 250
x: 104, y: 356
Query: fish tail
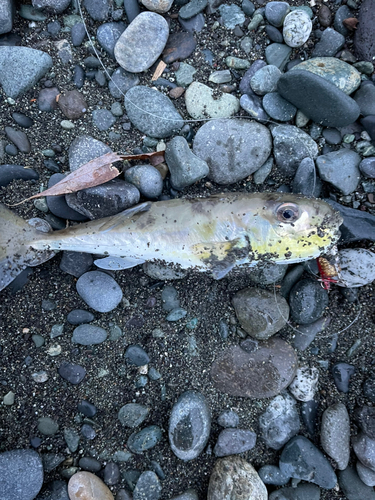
x: 16, y: 253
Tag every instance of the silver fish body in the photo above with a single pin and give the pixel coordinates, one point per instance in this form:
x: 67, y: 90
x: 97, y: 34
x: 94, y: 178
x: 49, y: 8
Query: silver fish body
x: 208, y: 234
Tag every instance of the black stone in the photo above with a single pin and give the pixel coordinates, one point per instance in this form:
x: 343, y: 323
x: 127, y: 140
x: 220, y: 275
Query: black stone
x: 79, y: 316
x: 71, y: 372
x: 9, y: 173
x: 76, y: 263
x: 357, y: 225
x: 341, y: 375
x: 369, y: 124
x: 88, y: 409
x: 22, y: 120
x: 135, y: 355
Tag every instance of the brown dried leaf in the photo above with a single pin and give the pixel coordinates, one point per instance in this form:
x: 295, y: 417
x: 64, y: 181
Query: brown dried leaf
x: 95, y: 172
x: 159, y: 70
x: 350, y: 23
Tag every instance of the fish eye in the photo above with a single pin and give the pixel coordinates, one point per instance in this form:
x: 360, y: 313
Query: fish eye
x: 287, y: 212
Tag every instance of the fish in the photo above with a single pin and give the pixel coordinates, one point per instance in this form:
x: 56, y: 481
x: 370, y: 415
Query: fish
x: 214, y: 234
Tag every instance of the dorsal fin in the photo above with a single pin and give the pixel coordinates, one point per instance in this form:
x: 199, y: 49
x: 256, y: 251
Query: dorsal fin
x: 117, y: 219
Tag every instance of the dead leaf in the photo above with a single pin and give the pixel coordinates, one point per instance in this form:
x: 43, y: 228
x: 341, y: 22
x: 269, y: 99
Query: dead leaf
x: 95, y: 172
x: 350, y: 23
x: 159, y: 70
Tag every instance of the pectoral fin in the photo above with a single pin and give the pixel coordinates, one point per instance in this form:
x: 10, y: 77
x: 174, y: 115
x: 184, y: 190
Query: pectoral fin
x: 222, y: 257
x: 117, y: 263
x: 126, y: 214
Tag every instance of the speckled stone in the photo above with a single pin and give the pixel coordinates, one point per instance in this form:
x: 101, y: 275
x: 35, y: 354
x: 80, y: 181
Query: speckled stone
x: 200, y: 102
x: 335, y: 434
x: 296, y: 28
x: 234, y: 478
x: 142, y: 42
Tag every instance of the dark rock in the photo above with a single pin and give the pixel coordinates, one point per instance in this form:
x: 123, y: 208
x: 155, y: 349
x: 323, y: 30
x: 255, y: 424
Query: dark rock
x: 300, y: 459
x: 342, y: 13
x: 22, y: 120
x: 306, y: 181
x: 57, y: 204
x: 341, y: 375
x: 307, y: 301
x: 365, y: 417
x: 145, y: 439
x: 325, y: 16
x: 90, y: 464
x: 364, y: 36
x: 75, y: 263
x: 98, y: 11
x: 369, y: 124
x: 148, y: 487
x: 195, y: 23
x: 357, y: 225
x: 179, y: 46
x: 8, y: 173
x: 131, y: 9
x: 309, y: 412
x: 51, y: 6
x: 78, y: 76
x: 72, y: 104
x: 271, y: 474
x: 300, y: 492
x: 99, y: 290
x: 318, y: 99
x: 88, y: 335
x: 78, y: 34
x: 47, y: 99
x: 234, y: 441
x: 107, y: 35
x: 352, y: 487
x: 255, y: 370
x: 252, y: 104
x: 71, y: 372
x: 329, y: 44
x: 111, y: 474
x: 192, y: 8
x: 88, y: 409
x: 121, y: 81
x: 133, y: 414
x: 365, y: 98
x: 245, y: 87
x: 137, y: 356
x: 274, y: 34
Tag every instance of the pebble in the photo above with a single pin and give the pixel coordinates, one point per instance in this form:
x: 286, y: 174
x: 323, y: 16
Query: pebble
x: 364, y: 448
x: 145, y: 439
x: 318, y: 99
x: 142, y: 42
x: 187, y: 495
x: 305, y: 180
x: 300, y: 492
x: 271, y: 474
x: 28, y: 67
x: 300, y: 459
x: 184, y: 166
x: 160, y: 272
x: 275, y: 13
x: 136, y: 355
x: 108, y: 34
x: 22, y: 120
x: 245, y: 83
x: 121, y: 81
x: 234, y: 441
x: 78, y: 34
x: 268, y: 273
x: 231, y: 15
x: 88, y: 335
x: 179, y: 47
x: 274, y: 34
x: 280, y: 422
x: 71, y: 372
x: 305, y: 384
x: 200, y: 102
x: 297, y: 27
x: 237, y: 63
x: 228, y: 419
x: 8, y: 173
x: 72, y: 104
x: 357, y: 225
x: 307, y: 301
x: 165, y: 118
x: 57, y: 204
x: 352, y: 487
x: 278, y: 55
x: 18, y: 138
x: 365, y: 474
x: 325, y: 16
x: 307, y: 333
x: 84, y: 149
x: 278, y: 108
x: 47, y: 426
x: 103, y: 119
x: 335, y: 434
x: 21, y: 473
x: 255, y: 310
x: 99, y: 290
x: 332, y: 136
x: 146, y: 179
x: 340, y: 73
x: 87, y: 485
x: 47, y: 99
x: 341, y: 375
x: 265, y: 80
x: 89, y: 464
x: 87, y: 408
x: 133, y: 414
x: 365, y: 98
x: 169, y: 298
x: 98, y: 11
x: 192, y: 8
x: 234, y: 478
x: 329, y: 44
x: 364, y: 34
x: 255, y: 22
x: 252, y: 104
x: 291, y: 145
x: 340, y: 168
x: 358, y: 267
x: 232, y: 160
x: 189, y: 425
x: 365, y: 416
x: 75, y: 263
x: 270, y: 367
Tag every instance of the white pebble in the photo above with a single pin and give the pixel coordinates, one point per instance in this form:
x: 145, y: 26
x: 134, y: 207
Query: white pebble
x: 297, y: 28
x: 357, y: 267
x: 305, y: 383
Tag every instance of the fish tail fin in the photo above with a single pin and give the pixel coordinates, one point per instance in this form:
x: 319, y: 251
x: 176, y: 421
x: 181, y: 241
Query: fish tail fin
x: 16, y: 253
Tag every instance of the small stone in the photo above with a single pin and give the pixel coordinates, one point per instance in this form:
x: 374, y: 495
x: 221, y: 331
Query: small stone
x: 189, y: 425
x: 307, y: 301
x: 18, y: 138
x: 21, y: 473
x: 265, y: 80
x: 364, y: 34
x: 133, y: 414
x: 340, y: 168
x: 147, y: 179
x: 179, y: 46
x: 47, y: 426
x: 231, y: 15
x: 280, y: 422
x: 72, y: 104
x: 71, y: 372
x: 142, y: 42
x: 234, y: 474
x: 335, y: 434
x: 89, y: 335
x: 201, y: 103
x: 297, y: 27
x: 234, y: 441
x: 8, y: 399
x: 341, y: 375
x: 145, y: 439
x: 137, y: 356
x: 99, y: 290
x: 305, y: 384
x: 228, y: 419
x: 148, y: 487
x: 366, y: 475
x: 352, y: 487
x: 275, y: 13
x: 364, y: 448
x: 103, y: 119
x: 89, y: 485
x: 278, y: 108
x: 278, y: 55
x: 271, y: 474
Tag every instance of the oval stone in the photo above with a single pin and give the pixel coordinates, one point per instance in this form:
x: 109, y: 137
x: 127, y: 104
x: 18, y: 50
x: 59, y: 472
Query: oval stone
x: 297, y: 28
x: 255, y: 370
x: 85, y: 485
x: 142, y: 42
x: 189, y: 425
x: 334, y: 70
x: 21, y: 474
x: 233, y: 149
x: 233, y: 478
x: 318, y: 99
x: 152, y: 112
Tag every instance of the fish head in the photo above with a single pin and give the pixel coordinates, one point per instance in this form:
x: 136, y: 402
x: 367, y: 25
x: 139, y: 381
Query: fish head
x: 291, y: 228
